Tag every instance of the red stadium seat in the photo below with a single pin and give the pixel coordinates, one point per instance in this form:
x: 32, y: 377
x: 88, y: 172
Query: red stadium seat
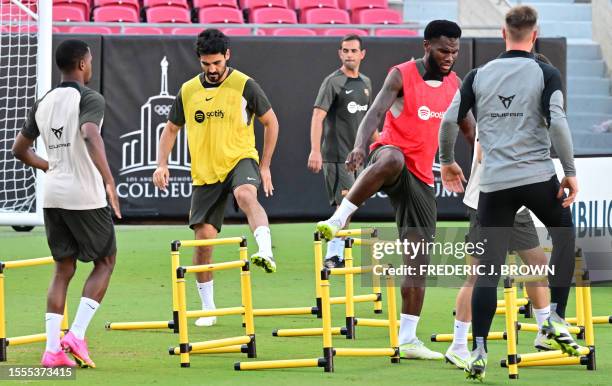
x: 325, y: 16
x: 165, y: 3
x: 291, y: 32
x: 303, y: 5
x: 377, y: 16
x: 221, y: 15
x: 273, y: 15
x: 168, y: 15
x: 240, y: 32
x: 255, y: 4
x: 396, y: 32
x: 11, y: 12
x: 126, y: 3
x: 186, y: 31
x: 142, y: 31
x: 96, y: 30
x: 343, y: 32
x: 356, y: 5
x: 197, y: 4
x: 116, y: 13
x: 83, y: 4
x: 68, y: 13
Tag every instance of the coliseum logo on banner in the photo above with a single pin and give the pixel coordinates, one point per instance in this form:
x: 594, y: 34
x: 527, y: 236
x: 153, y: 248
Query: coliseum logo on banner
x: 139, y: 151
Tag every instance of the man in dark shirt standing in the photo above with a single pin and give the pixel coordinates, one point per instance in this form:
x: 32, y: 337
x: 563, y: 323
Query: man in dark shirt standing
x: 342, y: 102
x: 518, y: 102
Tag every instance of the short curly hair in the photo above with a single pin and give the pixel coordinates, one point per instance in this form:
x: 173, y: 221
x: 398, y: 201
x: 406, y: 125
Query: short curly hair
x: 212, y: 41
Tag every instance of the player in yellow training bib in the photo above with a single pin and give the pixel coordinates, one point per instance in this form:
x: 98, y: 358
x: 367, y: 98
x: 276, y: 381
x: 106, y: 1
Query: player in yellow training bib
x: 217, y: 108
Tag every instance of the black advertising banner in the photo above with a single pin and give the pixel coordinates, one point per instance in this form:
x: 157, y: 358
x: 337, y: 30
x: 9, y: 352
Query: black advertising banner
x: 139, y: 90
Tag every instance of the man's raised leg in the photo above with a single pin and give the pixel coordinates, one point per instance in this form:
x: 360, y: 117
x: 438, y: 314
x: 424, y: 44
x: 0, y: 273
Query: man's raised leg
x: 246, y: 197
x: 385, y: 169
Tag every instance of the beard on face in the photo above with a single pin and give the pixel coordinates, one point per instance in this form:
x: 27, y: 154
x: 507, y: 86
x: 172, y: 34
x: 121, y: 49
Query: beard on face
x: 435, y: 68
x: 215, y: 76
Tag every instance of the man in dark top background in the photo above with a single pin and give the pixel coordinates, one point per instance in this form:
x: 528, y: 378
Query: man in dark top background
x: 342, y: 102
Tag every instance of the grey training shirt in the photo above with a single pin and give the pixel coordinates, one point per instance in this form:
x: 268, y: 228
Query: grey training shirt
x: 518, y: 104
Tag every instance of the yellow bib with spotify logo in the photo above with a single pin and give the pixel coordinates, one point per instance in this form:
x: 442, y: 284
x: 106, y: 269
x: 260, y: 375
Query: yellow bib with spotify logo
x: 218, y: 133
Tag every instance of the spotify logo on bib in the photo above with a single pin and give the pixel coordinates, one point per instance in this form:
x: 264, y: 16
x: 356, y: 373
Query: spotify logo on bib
x: 199, y: 116
x: 425, y: 113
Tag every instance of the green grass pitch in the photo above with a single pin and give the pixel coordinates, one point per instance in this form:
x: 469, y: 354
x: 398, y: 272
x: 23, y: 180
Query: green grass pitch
x: 140, y: 291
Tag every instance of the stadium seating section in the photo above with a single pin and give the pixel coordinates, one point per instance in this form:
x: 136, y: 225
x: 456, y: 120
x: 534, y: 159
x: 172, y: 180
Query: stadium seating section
x: 231, y: 12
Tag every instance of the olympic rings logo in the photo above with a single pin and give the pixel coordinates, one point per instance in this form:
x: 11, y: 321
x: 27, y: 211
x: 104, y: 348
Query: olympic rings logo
x: 163, y: 110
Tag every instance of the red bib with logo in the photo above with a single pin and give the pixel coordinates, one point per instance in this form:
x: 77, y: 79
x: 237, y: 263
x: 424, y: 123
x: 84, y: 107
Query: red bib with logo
x: 415, y: 129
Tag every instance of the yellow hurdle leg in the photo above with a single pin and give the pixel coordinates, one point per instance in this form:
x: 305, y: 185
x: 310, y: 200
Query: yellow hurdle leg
x: 509, y: 297
x: 376, y: 279
x: 392, y: 317
x: 65, y: 318
x: 247, y: 299
x: 349, y: 289
x: 318, y: 265
x: 328, y: 350
x: 175, y: 259
x: 182, y: 317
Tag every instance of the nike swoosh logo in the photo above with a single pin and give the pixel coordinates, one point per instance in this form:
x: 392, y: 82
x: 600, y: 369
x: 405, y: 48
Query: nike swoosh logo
x: 208, y: 99
x: 90, y: 306
x: 251, y: 179
x: 349, y: 91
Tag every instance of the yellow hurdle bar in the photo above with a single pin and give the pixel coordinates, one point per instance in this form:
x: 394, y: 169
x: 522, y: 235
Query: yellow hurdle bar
x: 139, y: 325
x: 350, y: 271
x: 219, y: 350
x: 280, y: 364
x: 511, y: 349
x: 449, y: 337
x: 365, y: 322
x: 553, y: 362
x: 556, y: 354
x: 364, y: 352
x: 220, y: 343
x: 528, y: 278
x: 283, y: 311
x: 293, y: 332
x: 217, y: 312
x: 25, y: 339
x: 355, y: 232
x: 27, y: 262
x: 214, y: 266
x: 357, y: 299
x: 596, y: 320
x: 211, y: 242
x: 392, y: 318
x: 519, y: 302
x: 532, y: 327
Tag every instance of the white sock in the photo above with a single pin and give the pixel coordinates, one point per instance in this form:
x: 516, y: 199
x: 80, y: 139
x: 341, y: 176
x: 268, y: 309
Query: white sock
x: 264, y: 241
x: 541, y: 314
x: 460, y: 333
x: 345, y: 210
x: 85, y: 312
x: 206, y: 295
x: 335, y: 248
x: 53, y: 323
x: 408, y: 326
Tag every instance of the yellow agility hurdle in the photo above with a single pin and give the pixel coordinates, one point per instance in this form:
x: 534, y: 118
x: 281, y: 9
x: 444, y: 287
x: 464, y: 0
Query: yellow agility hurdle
x: 5, y: 341
x: 350, y: 298
x: 239, y: 344
x: 327, y: 360
x: 584, y: 317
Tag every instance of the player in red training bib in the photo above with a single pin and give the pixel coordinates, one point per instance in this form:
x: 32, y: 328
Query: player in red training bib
x: 414, y: 97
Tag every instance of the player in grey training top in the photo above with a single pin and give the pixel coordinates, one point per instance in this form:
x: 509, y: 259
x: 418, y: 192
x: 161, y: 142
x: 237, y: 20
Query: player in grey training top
x: 77, y: 216
x: 342, y: 102
x: 518, y: 103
